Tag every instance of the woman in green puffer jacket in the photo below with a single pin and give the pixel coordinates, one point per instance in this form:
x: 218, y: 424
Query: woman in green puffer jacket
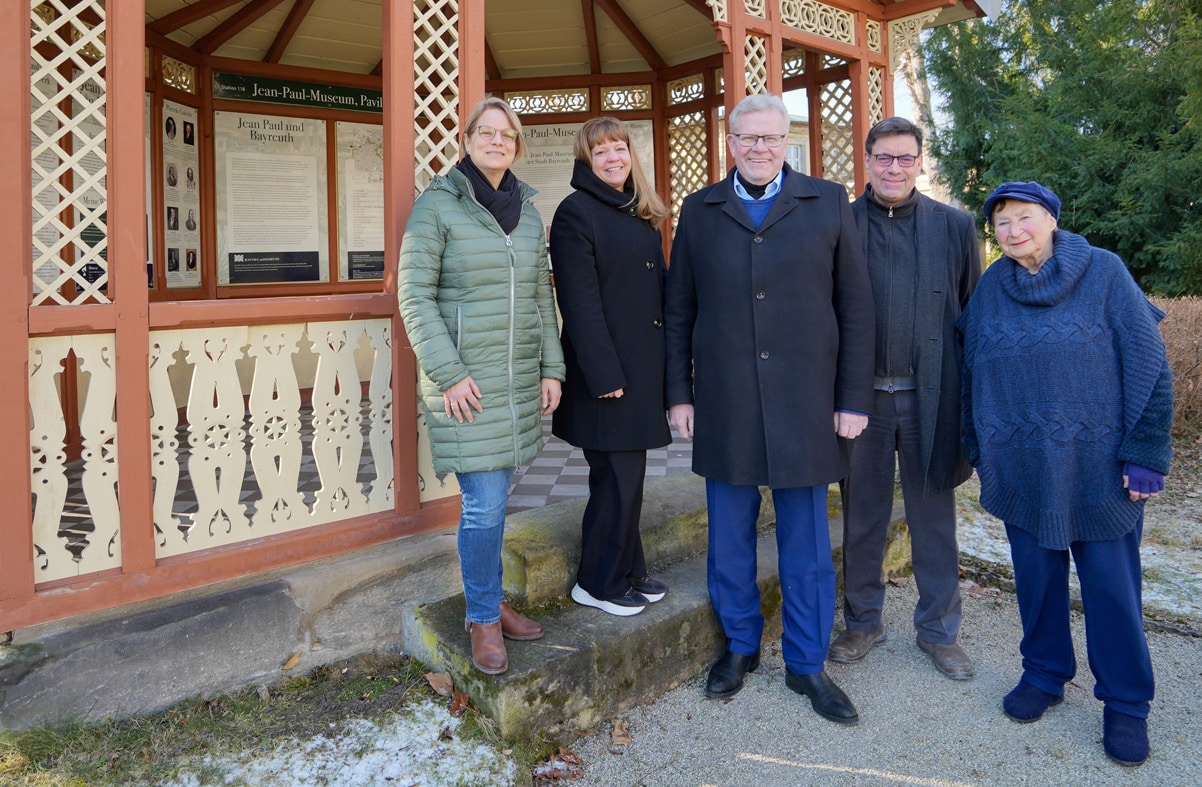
x: 474, y: 289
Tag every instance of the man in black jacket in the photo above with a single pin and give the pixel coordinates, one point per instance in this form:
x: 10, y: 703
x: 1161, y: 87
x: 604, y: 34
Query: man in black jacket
x: 924, y: 262
x: 768, y: 321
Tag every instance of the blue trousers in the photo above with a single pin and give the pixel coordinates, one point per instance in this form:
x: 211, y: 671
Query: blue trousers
x: 1110, y: 577
x: 807, y: 573
x: 481, y: 527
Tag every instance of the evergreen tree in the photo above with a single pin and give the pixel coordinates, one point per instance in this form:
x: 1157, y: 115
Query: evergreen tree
x: 1099, y: 100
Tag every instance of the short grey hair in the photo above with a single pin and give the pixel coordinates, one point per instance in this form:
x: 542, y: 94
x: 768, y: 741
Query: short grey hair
x: 759, y: 102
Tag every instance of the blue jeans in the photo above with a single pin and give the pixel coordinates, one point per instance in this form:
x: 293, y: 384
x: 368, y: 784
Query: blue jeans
x: 481, y: 526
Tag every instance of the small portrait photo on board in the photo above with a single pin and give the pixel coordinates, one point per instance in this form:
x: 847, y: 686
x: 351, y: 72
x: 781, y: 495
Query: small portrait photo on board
x: 172, y: 217
x: 189, y: 133
x: 190, y: 260
x: 169, y: 127
x: 173, y: 260
x: 172, y: 176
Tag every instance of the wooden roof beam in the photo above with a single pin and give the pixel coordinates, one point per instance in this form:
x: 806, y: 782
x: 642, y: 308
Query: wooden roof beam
x: 234, y: 25
x: 288, y: 30
x: 491, y: 69
x: 589, y: 12
x: 188, y: 14
x: 632, y: 33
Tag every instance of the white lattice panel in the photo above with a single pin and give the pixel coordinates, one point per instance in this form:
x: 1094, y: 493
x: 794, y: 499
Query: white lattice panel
x: 876, y: 96
x: 687, y: 156
x: 718, y: 8
x: 76, y: 521
x: 838, y: 145
x: 873, y: 33
x: 547, y: 102
x: 68, y: 130
x: 819, y: 19
x: 755, y: 8
x: 755, y: 61
x: 275, y: 464
x: 436, y: 87
x: 630, y: 97
x: 793, y: 63
x: 686, y: 89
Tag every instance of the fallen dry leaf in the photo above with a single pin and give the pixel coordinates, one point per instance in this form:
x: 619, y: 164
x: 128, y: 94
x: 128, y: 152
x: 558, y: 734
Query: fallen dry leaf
x: 564, y: 765
x: 441, y: 682
x: 460, y: 704
x: 621, y: 733
x: 292, y: 661
x: 899, y: 581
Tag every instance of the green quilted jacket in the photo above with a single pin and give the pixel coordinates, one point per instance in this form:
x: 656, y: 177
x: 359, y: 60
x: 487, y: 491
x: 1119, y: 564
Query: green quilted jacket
x: 478, y: 302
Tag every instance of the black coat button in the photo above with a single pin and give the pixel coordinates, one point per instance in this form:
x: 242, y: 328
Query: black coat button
x: 650, y: 265
x: 764, y: 355
x: 759, y: 238
x: 761, y: 295
x: 658, y: 323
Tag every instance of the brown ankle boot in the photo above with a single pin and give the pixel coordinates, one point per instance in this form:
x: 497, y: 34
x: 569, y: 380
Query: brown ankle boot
x: 488, y: 647
x: 517, y: 626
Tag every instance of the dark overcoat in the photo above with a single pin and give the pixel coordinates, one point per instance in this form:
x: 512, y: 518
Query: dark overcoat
x: 609, y: 272
x: 949, y: 267
x: 769, y: 330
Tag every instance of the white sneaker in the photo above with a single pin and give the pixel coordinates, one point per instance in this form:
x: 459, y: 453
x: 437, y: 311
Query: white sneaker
x: 630, y: 604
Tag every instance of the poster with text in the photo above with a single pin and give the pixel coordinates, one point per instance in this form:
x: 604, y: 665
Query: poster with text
x: 360, y: 201
x: 272, y: 205
x: 181, y: 195
x: 548, y: 164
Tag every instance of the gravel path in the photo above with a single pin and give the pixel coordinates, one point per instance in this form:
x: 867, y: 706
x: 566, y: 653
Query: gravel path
x: 917, y: 727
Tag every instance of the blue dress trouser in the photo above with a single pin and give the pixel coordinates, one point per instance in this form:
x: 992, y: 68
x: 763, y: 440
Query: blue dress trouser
x: 1111, y: 580
x: 807, y: 573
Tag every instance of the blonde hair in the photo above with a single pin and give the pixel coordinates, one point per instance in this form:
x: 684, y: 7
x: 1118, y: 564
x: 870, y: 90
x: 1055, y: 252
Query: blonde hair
x: 492, y: 102
x: 600, y: 130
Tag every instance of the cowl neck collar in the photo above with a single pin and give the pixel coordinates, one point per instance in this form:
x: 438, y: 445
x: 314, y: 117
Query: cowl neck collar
x: 1055, y: 279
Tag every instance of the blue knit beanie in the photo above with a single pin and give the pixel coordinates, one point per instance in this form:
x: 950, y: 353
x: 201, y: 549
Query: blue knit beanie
x: 1023, y: 191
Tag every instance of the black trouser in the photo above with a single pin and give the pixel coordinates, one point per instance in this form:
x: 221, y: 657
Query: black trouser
x: 611, y: 549
x: 868, y: 504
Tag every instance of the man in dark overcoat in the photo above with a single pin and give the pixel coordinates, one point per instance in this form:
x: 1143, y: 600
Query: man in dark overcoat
x: 924, y: 263
x: 769, y: 327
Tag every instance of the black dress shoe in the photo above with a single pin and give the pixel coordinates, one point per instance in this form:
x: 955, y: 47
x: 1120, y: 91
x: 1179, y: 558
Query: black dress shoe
x: 726, y: 676
x: 828, y: 700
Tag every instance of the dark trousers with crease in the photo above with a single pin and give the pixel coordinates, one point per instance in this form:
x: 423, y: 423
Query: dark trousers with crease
x: 893, y: 432
x: 611, y: 549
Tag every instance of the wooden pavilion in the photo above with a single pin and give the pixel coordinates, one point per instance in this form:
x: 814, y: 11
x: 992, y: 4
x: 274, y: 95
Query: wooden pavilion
x: 246, y: 401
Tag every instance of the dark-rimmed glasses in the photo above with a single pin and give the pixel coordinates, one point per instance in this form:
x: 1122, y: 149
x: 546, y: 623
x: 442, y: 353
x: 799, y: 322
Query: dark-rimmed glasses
x: 750, y: 140
x: 885, y: 160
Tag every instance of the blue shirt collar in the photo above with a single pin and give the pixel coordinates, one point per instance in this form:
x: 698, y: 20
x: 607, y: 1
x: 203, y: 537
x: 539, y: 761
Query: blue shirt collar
x: 770, y: 192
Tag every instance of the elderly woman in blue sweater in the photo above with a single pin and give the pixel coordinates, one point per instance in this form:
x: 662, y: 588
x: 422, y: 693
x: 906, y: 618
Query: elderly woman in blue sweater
x: 1067, y: 408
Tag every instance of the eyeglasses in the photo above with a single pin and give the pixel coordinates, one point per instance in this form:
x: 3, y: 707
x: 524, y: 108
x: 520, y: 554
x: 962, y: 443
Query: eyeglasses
x: 750, y: 140
x: 885, y: 160
x: 509, y: 135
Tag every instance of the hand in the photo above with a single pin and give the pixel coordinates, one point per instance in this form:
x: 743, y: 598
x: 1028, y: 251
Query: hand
x: 460, y: 399
x: 612, y: 395
x: 681, y: 418
x: 1140, y: 482
x: 850, y: 425
x: 551, y: 391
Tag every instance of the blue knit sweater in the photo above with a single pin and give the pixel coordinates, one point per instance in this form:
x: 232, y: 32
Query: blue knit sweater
x: 1065, y: 379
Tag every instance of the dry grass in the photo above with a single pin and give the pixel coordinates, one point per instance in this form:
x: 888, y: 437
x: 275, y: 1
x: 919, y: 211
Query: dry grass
x: 1182, y: 330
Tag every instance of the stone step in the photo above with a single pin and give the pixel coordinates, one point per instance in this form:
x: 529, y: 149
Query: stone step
x: 592, y: 666
x: 541, y: 551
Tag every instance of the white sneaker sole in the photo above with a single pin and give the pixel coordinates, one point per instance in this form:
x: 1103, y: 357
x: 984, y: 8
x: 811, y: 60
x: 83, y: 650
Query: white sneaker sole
x: 583, y: 597
x: 654, y: 597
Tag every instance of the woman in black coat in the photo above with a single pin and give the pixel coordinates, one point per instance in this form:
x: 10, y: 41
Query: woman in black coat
x: 609, y: 274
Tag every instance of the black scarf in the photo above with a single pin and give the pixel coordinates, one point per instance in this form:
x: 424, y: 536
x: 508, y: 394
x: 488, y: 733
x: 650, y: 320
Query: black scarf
x: 504, y: 203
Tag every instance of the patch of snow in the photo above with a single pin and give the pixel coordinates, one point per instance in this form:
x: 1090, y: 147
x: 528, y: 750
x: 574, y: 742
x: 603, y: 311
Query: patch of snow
x: 414, y: 747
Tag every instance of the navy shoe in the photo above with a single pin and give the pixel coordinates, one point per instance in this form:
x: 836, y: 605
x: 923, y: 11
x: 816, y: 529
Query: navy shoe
x: 652, y: 589
x: 1027, y: 703
x: 726, y: 676
x: 1125, y: 738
